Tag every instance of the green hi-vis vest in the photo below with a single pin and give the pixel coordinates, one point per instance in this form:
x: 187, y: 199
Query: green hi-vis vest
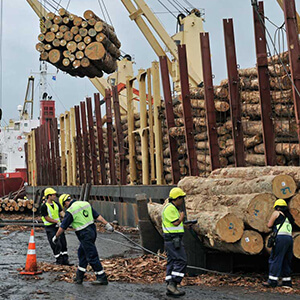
x: 286, y: 228
x: 169, y: 214
x: 82, y: 214
x: 53, y: 213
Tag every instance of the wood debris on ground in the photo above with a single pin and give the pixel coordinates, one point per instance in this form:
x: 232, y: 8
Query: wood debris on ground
x: 149, y: 269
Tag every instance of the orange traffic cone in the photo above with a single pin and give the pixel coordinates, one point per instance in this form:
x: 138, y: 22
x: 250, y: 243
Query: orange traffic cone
x: 31, y: 266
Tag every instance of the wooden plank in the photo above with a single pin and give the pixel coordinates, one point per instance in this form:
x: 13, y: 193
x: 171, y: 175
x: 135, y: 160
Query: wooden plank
x: 100, y: 138
x: 58, y: 161
x: 143, y: 131
x: 92, y: 141
x: 52, y: 151
x: 130, y: 121
x: 151, y: 127
x: 110, y: 141
x: 157, y: 123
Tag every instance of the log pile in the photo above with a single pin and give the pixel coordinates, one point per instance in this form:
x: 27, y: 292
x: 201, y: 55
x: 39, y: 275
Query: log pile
x: 79, y: 46
x: 234, y: 205
x: 18, y: 205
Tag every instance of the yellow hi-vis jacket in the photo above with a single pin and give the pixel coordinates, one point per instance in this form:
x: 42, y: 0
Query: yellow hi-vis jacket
x: 286, y: 228
x: 53, y: 213
x: 171, y: 214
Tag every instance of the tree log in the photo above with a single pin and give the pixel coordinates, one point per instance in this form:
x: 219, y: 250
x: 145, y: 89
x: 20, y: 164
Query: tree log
x: 95, y: 51
x: 294, y: 206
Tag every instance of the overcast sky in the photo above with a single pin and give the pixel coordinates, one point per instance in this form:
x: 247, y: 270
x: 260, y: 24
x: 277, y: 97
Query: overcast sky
x: 21, y: 28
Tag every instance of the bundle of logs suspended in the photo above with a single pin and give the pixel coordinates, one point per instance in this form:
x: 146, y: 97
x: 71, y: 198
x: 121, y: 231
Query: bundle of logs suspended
x: 79, y: 46
x: 15, y: 205
x: 233, y: 208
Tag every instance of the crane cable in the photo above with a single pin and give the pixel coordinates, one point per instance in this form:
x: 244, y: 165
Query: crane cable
x: 1, y: 37
x: 275, y: 49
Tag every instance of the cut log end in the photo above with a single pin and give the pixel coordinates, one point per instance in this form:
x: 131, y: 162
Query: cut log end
x: 259, y: 211
x: 294, y: 207
x: 252, y: 242
x: 230, y: 228
x: 284, y: 186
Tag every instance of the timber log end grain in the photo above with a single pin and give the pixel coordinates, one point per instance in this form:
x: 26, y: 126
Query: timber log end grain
x: 296, y: 246
x: 252, y: 242
x: 294, y: 207
x: 230, y: 228
x: 259, y: 211
x: 284, y: 186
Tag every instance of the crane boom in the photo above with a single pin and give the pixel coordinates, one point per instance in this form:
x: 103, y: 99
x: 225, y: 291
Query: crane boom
x: 136, y: 15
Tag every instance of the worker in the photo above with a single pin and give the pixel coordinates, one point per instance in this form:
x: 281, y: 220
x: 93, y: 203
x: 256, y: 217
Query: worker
x: 81, y: 216
x: 51, y: 211
x: 280, y: 260
x: 173, y: 230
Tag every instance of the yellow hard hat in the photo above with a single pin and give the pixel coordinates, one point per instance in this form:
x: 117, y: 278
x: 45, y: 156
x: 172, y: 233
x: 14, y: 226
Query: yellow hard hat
x: 63, y: 198
x: 279, y: 202
x: 176, y: 192
x: 49, y: 191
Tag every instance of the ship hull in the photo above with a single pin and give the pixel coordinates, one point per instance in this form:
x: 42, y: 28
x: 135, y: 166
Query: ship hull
x: 12, y: 182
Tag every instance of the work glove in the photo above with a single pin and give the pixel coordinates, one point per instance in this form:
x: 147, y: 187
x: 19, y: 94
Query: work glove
x: 57, y: 224
x: 108, y: 227
x: 54, y: 240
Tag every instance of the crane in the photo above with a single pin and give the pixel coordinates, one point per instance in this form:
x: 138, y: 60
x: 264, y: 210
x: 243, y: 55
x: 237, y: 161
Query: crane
x: 190, y: 37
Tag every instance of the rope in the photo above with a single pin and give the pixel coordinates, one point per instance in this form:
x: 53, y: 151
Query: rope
x: 102, y: 11
x: 107, y: 13
x: 67, y: 7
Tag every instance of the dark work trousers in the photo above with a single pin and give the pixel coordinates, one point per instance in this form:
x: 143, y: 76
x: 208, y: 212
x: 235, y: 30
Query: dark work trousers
x: 176, y: 263
x: 280, y: 260
x: 60, y: 248
x: 87, y: 251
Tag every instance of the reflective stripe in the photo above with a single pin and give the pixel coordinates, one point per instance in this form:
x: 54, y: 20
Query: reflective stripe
x: 31, y: 239
x: 64, y: 253
x: 30, y: 251
x: 172, y: 228
x: 273, y: 277
x: 57, y: 255
x: 99, y: 273
x: 81, y: 269
x: 168, y: 277
x: 79, y: 209
x: 177, y: 274
x: 84, y: 226
x: 287, y: 279
x: 284, y: 233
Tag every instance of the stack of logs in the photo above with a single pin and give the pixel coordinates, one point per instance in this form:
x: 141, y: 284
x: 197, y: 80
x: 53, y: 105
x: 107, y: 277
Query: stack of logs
x: 21, y: 205
x: 234, y: 205
x: 79, y: 46
x: 287, y: 148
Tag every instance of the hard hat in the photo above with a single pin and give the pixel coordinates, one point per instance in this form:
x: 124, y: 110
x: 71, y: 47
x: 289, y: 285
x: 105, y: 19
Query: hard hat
x: 49, y: 191
x: 176, y: 192
x: 279, y: 202
x: 63, y: 198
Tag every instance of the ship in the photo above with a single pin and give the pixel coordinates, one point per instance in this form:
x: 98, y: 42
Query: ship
x: 13, y: 170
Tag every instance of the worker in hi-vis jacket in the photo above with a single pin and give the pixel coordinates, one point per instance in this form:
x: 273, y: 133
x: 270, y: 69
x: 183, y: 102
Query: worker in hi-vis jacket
x: 173, y: 230
x: 50, y: 211
x: 81, y: 216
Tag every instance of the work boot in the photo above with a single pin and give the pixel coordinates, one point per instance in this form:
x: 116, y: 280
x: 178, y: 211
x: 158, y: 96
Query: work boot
x: 173, y: 291
x: 100, y: 280
x: 79, y: 277
x: 59, y: 260
x: 287, y: 283
x: 270, y: 284
x: 66, y: 261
